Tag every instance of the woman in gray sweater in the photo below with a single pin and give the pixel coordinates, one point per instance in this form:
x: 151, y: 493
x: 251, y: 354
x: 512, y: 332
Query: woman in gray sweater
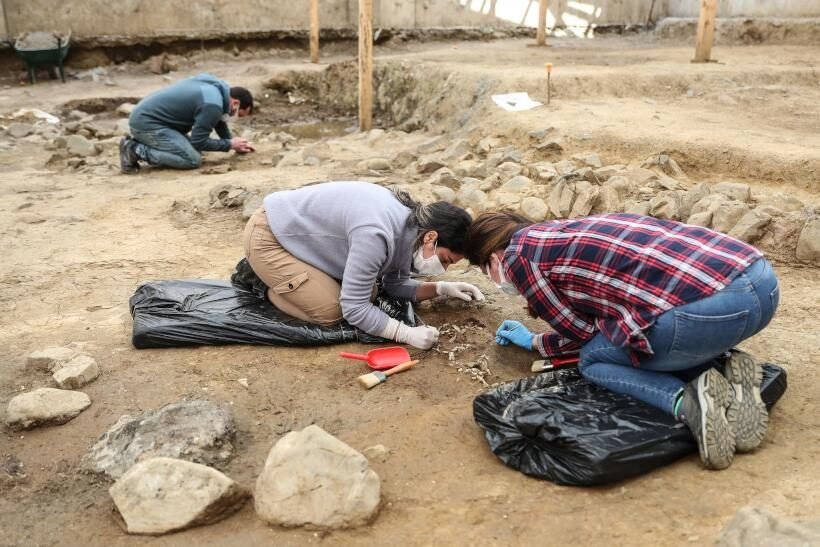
x: 321, y: 249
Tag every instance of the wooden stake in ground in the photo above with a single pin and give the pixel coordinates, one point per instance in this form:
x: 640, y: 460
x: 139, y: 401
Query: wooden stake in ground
x: 314, y: 31
x: 365, y: 65
x: 706, y: 31
x: 541, y: 35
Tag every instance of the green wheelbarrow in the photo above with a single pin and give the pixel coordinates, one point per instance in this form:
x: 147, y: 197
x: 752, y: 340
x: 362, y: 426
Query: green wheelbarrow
x: 42, y: 49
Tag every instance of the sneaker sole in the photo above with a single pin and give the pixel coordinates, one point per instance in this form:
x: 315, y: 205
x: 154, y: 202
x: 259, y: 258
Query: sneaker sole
x: 717, y: 447
x: 747, y: 412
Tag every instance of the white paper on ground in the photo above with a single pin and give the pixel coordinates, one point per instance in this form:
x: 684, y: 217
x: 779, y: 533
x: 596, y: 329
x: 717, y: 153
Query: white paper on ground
x: 514, y: 102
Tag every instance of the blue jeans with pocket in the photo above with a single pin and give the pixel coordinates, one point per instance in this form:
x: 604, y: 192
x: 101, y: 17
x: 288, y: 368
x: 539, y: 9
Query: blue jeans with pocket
x: 165, y: 146
x: 686, y: 340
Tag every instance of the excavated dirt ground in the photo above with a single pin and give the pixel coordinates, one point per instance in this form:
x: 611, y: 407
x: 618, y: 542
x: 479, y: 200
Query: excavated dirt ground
x: 67, y: 280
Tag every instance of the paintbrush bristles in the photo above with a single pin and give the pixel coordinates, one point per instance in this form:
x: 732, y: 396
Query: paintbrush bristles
x: 369, y: 380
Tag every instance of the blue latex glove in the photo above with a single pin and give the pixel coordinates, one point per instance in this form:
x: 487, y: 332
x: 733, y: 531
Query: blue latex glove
x: 515, y: 332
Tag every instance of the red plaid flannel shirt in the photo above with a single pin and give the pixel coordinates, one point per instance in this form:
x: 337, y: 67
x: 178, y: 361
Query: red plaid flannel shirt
x: 616, y: 273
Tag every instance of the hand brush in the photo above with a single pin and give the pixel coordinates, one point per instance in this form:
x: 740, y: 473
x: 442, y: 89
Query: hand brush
x: 377, y: 377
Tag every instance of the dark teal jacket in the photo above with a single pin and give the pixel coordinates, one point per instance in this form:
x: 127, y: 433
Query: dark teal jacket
x: 196, y: 104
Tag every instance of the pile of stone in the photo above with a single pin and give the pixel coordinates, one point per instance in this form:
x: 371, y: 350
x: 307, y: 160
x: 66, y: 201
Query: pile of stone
x: 165, y: 465
x: 486, y: 175
x: 49, y: 406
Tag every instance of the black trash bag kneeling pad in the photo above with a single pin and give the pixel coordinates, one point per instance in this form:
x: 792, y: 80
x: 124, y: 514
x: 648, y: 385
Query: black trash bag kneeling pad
x: 560, y: 427
x: 192, y: 312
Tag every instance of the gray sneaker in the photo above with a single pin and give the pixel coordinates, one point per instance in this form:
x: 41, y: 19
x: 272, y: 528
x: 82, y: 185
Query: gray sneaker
x: 703, y: 409
x: 129, y: 161
x: 747, y: 412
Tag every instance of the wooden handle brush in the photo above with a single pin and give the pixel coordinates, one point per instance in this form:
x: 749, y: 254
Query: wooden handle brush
x: 377, y: 377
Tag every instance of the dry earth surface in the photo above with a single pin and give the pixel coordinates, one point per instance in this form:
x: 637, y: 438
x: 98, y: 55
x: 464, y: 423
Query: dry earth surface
x: 67, y: 279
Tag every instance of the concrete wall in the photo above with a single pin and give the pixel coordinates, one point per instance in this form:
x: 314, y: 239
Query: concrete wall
x: 92, y: 18
x: 747, y: 8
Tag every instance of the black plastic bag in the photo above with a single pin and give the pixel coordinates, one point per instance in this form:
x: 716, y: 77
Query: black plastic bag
x: 560, y: 427
x: 196, y: 312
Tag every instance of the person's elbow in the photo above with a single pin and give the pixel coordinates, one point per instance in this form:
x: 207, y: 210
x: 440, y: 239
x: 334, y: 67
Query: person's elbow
x: 356, y: 313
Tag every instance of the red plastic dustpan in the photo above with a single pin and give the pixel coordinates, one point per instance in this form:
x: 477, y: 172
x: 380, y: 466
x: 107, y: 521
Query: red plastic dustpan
x: 381, y: 358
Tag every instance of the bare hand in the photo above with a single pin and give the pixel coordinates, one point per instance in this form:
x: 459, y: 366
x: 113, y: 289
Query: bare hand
x: 241, y: 146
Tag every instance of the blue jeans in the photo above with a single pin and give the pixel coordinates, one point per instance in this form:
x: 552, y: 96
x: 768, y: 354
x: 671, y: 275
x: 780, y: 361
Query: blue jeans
x: 166, y: 147
x: 686, y: 340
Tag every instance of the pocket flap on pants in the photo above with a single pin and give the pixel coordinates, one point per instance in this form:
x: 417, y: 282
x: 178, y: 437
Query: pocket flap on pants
x: 291, y: 284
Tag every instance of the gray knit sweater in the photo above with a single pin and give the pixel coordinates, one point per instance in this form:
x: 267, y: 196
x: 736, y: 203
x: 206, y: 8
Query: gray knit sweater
x: 356, y: 232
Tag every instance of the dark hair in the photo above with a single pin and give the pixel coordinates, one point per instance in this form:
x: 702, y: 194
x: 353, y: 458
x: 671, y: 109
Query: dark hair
x: 491, y: 232
x: 449, y: 221
x: 244, y: 97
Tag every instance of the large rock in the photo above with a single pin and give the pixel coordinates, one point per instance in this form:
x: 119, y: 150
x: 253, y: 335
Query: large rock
x: 77, y: 372
x: 427, y: 166
x: 507, y: 201
x: 788, y: 204
x: 757, y: 527
x: 49, y: 358
x: 252, y: 204
x: 691, y: 197
x: 432, y: 145
x: 122, y: 128
x: 543, y: 171
x: 470, y: 196
x: 19, y: 130
x: 666, y: 164
x: 710, y: 203
x: 471, y: 168
x: 666, y: 205
x: 703, y: 219
x: 640, y: 176
x: 551, y: 146
x: 516, y: 184
x: 445, y: 177
x: 198, y: 431
x: 486, y: 144
x: 511, y: 168
x: 604, y: 173
x: 312, y: 478
x: 750, y: 226
x: 228, y: 195
x: 78, y: 145
x: 565, y: 167
x: 808, y: 244
x: 590, y: 159
x: 734, y: 190
x: 727, y: 215
x: 160, y: 495
x: 612, y: 195
x: 126, y: 108
x: 534, y: 208
x: 378, y: 164
x: 586, y: 195
x: 457, y: 150
x: 636, y: 207
x: 45, y: 406
x: 561, y: 199
x: 443, y: 193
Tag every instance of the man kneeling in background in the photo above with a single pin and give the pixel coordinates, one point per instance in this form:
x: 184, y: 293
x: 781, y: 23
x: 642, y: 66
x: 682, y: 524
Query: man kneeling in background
x: 160, y: 124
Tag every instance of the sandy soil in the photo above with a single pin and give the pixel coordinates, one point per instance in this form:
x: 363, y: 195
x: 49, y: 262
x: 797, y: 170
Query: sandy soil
x: 67, y: 281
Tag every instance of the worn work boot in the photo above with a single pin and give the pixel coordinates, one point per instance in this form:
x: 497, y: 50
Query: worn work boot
x: 747, y: 413
x: 703, y: 408
x: 129, y: 161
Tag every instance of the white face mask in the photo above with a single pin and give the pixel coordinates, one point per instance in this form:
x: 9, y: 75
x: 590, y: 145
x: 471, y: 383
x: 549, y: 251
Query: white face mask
x: 504, y: 284
x: 428, y: 266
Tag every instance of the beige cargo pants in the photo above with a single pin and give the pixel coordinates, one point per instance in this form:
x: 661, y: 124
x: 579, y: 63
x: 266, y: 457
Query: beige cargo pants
x: 295, y: 287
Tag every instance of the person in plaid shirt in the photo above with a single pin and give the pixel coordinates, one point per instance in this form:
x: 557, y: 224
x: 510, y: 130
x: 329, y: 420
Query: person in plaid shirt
x: 646, y: 303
